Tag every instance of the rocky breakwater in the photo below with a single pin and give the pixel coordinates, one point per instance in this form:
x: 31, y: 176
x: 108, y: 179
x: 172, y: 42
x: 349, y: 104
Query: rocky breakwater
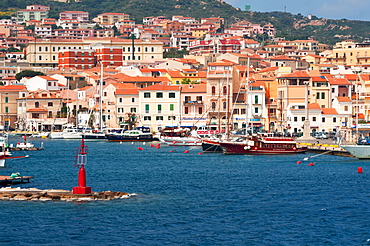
x: 33, y: 194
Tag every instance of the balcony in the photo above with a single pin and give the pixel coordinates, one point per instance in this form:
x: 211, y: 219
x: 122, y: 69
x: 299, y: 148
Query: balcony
x: 193, y: 102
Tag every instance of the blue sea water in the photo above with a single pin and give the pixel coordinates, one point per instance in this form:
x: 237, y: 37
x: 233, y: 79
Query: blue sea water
x: 190, y: 199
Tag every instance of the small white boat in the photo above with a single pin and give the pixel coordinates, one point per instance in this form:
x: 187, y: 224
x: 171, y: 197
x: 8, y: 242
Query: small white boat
x: 179, y: 137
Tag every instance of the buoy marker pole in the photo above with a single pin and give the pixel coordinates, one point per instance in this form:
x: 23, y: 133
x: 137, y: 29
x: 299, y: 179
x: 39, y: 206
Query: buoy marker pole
x: 81, y: 161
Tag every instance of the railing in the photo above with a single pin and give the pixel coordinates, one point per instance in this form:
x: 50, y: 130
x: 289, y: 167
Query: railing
x: 193, y: 102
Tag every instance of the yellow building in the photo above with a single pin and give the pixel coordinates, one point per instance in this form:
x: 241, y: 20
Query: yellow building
x: 356, y: 54
x: 111, y: 18
x: 199, y: 33
x: 191, y: 75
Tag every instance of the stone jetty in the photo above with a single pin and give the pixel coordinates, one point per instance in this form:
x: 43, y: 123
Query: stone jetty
x: 34, y: 194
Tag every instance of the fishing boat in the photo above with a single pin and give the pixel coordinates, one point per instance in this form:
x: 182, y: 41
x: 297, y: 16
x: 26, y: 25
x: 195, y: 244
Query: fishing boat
x: 358, y: 151
x: 174, y: 136
x: 138, y: 134
x: 257, y: 145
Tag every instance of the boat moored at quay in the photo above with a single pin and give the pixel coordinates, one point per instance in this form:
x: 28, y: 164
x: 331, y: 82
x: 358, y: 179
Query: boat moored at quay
x: 256, y: 145
x: 138, y: 134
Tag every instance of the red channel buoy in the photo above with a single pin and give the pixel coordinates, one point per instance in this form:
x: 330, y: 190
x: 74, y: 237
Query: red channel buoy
x: 139, y: 148
x: 311, y: 164
x: 359, y: 169
x: 152, y: 145
x: 186, y: 151
x: 171, y: 151
x: 299, y: 162
x: 200, y: 153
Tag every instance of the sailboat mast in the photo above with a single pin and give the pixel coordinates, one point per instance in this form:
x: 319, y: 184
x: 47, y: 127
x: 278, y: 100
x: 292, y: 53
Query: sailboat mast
x: 246, y: 99
x: 76, y: 104
x: 100, y: 98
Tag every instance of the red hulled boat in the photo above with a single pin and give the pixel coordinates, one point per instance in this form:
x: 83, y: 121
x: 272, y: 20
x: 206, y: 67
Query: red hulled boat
x: 262, y: 145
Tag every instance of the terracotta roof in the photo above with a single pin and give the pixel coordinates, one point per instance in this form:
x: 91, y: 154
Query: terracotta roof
x: 344, y: 99
x: 297, y: 74
x: 329, y: 111
x: 338, y: 81
x: 47, y: 78
x: 195, y: 88
x: 12, y: 87
x: 128, y: 91
x: 161, y: 87
x: 314, y: 106
x: 319, y: 79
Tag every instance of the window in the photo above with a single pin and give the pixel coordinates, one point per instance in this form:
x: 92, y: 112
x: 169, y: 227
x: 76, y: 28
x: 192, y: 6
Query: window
x: 224, y: 90
x: 256, y: 110
x: 146, y: 94
x: 37, y: 104
x: 50, y: 104
x: 199, y: 98
x: 213, y: 105
x: 172, y: 106
x: 303, y: 118
x: 159, y: 118
x: 171, y: 95
x: 224, y: 105
x: 147, y: 118
x: 6, y: 109
x: 120, y: 99
x: 159, y: 107
x: 133, y: 110
x: 159, y: 94
x: 318, y: 95
x: 314, y: 118
x: 213, y: 90
x: 6, y: 99
x: 323, y: 119
x: 187, y: 98
x: 295, y: 118
x: 322, y: 95
x: 255, y: 99
x: 200, y: 110
x: 186, y: 110
x: 147, y: 108
x: 133, y: 99
x: 345, y: 108
x: 334, y: 119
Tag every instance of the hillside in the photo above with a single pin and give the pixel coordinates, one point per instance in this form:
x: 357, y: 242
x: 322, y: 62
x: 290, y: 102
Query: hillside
x: 288, y: 25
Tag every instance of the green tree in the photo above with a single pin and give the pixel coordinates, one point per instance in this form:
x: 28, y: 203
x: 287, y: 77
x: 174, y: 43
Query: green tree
x: 27, y: 73
x: 173, y: 53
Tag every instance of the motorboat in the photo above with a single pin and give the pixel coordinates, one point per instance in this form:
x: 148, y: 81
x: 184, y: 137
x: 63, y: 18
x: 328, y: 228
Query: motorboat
x: 138, y: 134
x: 174, y: 136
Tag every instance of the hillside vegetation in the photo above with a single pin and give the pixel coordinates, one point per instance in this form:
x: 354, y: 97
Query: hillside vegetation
x: 288, y: 25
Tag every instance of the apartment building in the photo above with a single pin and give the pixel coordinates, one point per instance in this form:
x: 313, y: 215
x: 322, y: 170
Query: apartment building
x: 79, y: 16
x: 32, y: 12
x: 44, y: 52
x: 111, y: 18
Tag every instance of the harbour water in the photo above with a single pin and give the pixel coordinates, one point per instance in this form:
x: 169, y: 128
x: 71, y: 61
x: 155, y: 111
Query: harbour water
x: 190, y: 199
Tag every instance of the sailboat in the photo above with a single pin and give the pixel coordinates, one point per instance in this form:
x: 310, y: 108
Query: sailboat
x: 98, y: 134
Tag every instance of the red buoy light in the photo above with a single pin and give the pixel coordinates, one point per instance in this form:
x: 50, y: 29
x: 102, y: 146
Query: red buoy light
x: 139, y: 148
x: 299, y: 162
x: 311, y: 164
x: 359, y: 169
x: 186, y: 151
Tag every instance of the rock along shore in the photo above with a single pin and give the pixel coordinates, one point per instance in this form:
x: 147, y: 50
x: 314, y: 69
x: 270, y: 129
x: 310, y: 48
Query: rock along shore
x: 34, y: 194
